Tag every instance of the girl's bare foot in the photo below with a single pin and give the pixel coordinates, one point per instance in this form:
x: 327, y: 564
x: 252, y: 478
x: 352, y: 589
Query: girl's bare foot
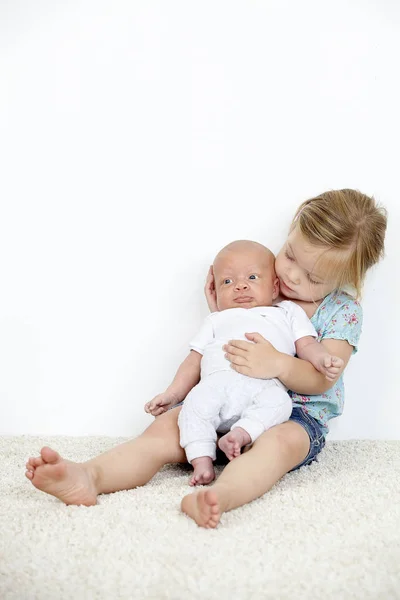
x: 203, y: 471
x: 232, y: 442
x: 202, y: 507
x: 70, y: 482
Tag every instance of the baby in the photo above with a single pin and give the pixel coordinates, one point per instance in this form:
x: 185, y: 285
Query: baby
x: 225, y: 401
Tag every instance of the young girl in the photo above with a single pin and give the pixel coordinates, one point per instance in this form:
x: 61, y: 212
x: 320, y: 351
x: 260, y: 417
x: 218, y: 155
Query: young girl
x: 333, y: 240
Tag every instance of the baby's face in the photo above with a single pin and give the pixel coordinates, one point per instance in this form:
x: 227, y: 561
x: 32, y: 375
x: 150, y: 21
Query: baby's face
x: 245, y: 278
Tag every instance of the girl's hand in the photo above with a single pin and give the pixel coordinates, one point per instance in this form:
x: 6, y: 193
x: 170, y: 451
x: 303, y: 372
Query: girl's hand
x: 258, y: 359
x: 209, y: 290
x: 161, y: 403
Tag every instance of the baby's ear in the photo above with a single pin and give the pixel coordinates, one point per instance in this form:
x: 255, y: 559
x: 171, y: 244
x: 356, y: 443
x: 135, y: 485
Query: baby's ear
x: 275, y: 291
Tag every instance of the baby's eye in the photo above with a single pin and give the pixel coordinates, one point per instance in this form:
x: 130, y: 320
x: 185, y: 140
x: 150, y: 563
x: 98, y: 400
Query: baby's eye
x: 253, y: 276
x: 227, y: 281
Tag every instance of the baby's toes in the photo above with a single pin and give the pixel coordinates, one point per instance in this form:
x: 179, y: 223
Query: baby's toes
x: 334, y: 371
x: 229, y: 454
x: 33, y: 463
x: 236, y: 450
x: 331, y: 374
x: 337, y: 362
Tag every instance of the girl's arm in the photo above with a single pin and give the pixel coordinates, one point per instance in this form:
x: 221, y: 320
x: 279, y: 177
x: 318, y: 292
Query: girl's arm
x: 260, y: 359
x: 301, y: 377
x: 317, y: 354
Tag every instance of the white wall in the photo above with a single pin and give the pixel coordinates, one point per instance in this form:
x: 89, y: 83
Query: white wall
x: 137, y: 138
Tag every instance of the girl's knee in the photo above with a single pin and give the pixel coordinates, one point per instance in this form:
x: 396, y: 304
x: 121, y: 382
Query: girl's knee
x: 289, y: 438
x: 166, y: 424
x: 163, y: 434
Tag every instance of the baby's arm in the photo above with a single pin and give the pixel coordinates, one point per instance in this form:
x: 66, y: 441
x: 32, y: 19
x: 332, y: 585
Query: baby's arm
x: 307, y: 348
x: 187, y: 376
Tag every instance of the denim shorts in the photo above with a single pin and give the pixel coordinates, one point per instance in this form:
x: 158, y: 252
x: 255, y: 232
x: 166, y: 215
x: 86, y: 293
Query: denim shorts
x: 315, y: 433
x: 312, y: 427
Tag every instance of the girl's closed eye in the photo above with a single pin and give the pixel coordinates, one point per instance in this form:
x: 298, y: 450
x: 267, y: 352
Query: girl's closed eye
x: 288, y: 256
x: 312, y: 280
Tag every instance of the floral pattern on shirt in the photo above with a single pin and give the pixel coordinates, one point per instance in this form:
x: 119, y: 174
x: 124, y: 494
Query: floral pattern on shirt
x: 338, y: 317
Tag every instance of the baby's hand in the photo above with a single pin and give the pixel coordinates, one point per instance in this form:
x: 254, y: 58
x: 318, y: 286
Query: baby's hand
x: 161, y: 403
x: 330, y: 366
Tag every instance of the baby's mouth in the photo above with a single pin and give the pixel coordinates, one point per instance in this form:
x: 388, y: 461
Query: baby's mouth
x: 243, y: 299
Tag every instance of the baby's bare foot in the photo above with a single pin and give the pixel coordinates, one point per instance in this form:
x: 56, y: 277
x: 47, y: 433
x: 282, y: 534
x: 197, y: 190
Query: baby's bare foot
x: 203, y: 471
x: 331, y: 366
x: 70, y: 482
x: 232, y: 442
x: 203, y: 507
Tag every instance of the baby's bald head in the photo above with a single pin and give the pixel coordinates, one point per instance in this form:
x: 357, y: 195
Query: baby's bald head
x: 245, y: 248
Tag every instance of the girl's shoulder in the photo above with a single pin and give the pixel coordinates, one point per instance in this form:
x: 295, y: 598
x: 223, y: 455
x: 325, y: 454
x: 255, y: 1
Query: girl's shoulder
x: 339, y: 316
x: 339, y: 301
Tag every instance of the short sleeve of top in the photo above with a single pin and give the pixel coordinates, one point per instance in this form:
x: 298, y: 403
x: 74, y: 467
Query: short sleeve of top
x: 204, y: 336
x: 338, y: 317
x: 300, y: 324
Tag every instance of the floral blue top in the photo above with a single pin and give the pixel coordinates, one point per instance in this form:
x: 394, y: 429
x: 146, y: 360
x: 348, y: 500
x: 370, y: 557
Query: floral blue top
x: 339, y: 317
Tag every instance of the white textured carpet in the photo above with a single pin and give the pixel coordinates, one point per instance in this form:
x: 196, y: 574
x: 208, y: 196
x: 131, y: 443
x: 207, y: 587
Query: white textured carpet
x: 328, y: 531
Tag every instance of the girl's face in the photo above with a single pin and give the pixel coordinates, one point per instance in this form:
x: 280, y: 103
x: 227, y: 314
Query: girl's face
x: 301, y: 274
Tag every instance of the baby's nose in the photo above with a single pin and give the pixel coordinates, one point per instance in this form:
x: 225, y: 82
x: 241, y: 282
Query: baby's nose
x: 242, y: 285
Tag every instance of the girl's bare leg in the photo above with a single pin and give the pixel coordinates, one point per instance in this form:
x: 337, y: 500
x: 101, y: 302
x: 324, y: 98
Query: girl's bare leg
x: 249, y: 476
x: 124, y: 467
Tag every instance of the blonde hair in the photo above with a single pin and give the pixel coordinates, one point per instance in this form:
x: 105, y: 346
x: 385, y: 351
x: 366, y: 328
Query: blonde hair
x: 351, y: 226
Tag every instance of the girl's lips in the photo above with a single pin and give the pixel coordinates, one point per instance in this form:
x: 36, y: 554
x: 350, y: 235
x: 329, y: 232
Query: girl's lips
x: 243, y: 299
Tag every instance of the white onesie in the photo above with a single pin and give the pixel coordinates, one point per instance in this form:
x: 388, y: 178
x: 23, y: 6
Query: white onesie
x: 225, y: 399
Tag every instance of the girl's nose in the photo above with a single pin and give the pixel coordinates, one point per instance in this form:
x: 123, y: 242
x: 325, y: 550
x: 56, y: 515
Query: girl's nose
x: 241, y: 285
x: 294, y: 277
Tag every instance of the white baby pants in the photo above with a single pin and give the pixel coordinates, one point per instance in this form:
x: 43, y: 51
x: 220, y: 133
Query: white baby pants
x: 224, y: 400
